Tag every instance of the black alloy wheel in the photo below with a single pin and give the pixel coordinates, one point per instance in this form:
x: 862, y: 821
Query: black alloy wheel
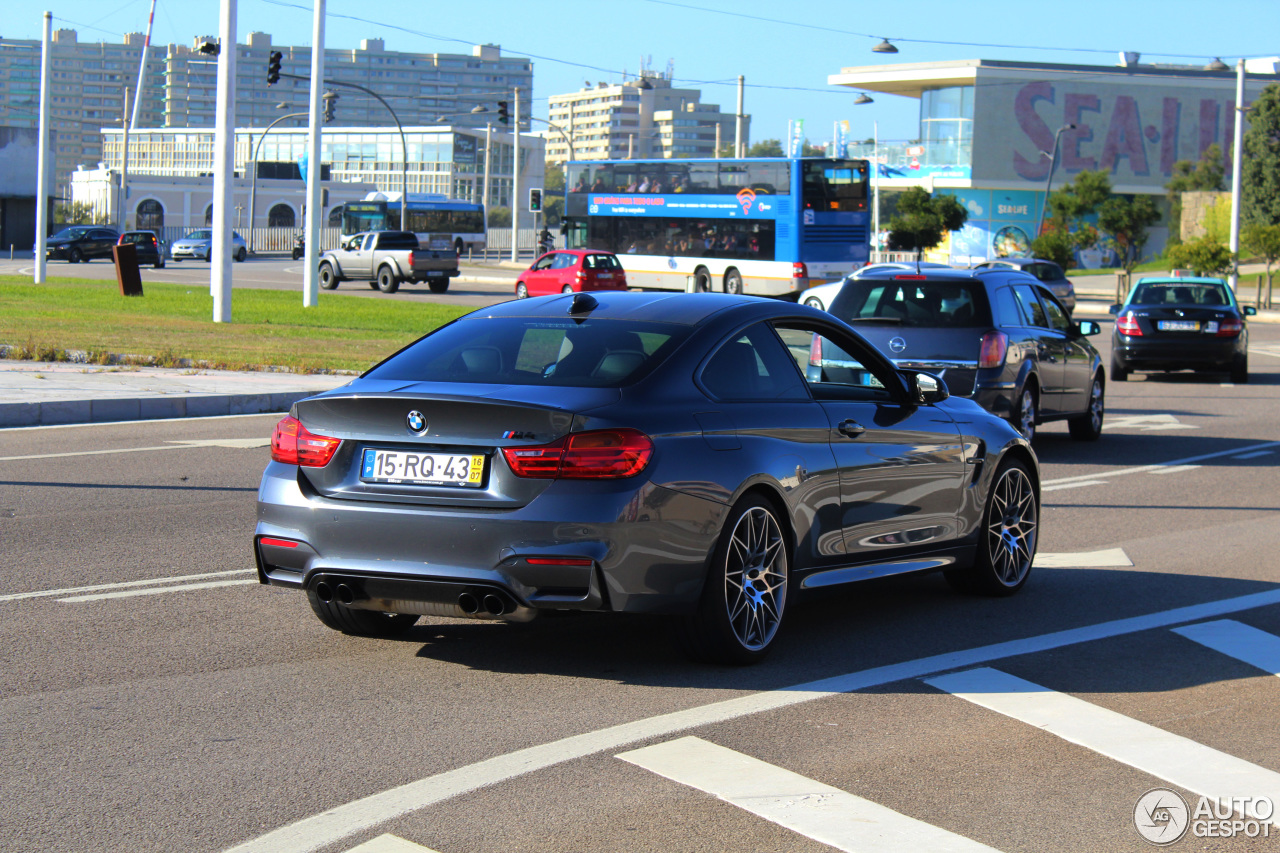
x: 1008, y: 538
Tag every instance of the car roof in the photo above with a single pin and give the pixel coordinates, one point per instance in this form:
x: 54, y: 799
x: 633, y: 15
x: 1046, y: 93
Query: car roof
x: 930, y: 273
x: 1173, y: 279
x: 657, y: 306
x: 1021, y: 262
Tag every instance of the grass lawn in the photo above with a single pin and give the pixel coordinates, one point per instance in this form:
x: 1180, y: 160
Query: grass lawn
x: 174, y: 321
x: 1160, y: 265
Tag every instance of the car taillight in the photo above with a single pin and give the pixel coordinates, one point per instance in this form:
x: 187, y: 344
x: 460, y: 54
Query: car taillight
x: 294, y: 444
x: 815, y: 350
x: 799, y: 270
x: 1127, y: 324
x: 411, y: 264
x: 1230, y: 329
x: 906, y: 277
x: 598, y: 455
x: 581, y: 275
x: 994, y: 347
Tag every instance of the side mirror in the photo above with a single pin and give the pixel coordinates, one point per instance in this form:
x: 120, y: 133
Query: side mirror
x: 925, y: 388
x: 1088, y: 328
x: 1115, y: 309
x: 1250, y: 311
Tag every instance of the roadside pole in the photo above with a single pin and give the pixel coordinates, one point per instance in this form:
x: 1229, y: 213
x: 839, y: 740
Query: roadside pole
x: 224, y: 135
x: 42, y: 156
x: 315, y: 215
x: 515, y: 184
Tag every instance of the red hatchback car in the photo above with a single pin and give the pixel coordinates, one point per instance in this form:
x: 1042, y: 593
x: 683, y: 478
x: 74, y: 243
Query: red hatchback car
x: 571, y: 271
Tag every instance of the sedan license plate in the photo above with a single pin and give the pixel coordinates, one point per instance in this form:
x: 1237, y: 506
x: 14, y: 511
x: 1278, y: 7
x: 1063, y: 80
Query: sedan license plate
x: 427, y: 469
x: 1178, y: 325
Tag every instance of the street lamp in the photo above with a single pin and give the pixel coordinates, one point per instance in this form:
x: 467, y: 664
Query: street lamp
x: 560, y: 130
x: 884, y: 47
x: 253, y: 164
x: 863, y: 98
x: 1053, y: 160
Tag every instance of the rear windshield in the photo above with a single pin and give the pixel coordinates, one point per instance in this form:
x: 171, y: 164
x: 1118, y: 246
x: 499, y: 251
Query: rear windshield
x: 139, y: 238
x: 913, y: 302
x: 1162, y: 293
x: 535, y: 351
x: 601, y: 262
x: 1046, y: 272
x: 397, y: 240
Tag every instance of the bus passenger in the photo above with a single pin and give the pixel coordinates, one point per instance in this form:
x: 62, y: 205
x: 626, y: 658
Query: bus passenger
x: 598, y: 186
x: 644, y: 185
x: 581, y: 186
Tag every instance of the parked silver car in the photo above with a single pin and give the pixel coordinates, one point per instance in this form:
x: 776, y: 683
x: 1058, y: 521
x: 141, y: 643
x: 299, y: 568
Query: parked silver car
x: 198, y: 246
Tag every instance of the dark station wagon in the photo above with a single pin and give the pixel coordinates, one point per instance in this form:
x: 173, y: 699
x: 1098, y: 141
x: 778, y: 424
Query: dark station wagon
x: 997, y: 336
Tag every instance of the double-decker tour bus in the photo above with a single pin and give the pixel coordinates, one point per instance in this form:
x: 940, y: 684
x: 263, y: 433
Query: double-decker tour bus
x: 764, y: 226
x: 438, y: 220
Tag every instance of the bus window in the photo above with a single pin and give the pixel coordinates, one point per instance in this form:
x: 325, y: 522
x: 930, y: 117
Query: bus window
x: 834, y: 185
x: 703, y: 178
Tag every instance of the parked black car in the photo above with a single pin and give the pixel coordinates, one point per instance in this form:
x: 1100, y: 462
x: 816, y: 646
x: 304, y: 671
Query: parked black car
x: 1181, y: 324
x: 994, y: 335
x: 148, y: 247
x: 1047, y: 272
x: 81, y: 243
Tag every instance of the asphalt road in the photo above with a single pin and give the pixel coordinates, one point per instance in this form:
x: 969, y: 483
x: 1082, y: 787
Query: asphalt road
x: 157, y: 698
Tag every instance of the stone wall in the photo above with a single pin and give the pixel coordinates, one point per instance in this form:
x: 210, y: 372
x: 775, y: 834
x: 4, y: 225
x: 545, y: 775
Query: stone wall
x: 1195, y: 207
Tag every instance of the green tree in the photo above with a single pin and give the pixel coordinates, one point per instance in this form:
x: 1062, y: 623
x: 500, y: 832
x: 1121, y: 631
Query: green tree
x: 1126, y: 220
x: 77, y: 213
x: 1055, y: 244
x: 553, y: 196
x: 1203, y: 256
x: 1260, y: 166
x: 766, y: 148
x: 1078, y: 199
x: 1263, y: 241
x: 499, y: 217
x: 921, y: 220
x: 1205, y: 175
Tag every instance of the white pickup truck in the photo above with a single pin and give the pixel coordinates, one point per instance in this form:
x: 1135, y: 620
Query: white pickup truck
x: 386, y: 259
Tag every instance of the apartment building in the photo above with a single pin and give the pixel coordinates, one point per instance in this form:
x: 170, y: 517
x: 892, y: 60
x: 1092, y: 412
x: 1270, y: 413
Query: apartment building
x: 643, y: 117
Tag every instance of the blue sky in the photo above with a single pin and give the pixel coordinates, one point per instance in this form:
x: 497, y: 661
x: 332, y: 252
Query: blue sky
x: 785, y: 50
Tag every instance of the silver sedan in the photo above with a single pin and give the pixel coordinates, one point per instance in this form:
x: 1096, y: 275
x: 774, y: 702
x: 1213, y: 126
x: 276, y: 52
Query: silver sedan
x: 198, y: 246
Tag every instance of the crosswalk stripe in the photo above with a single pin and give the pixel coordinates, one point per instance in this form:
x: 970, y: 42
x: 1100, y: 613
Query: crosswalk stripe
x: 1173, y: 758
x: 815, y: 810
x: 155, y: 590
x: 47, y: 593
x: 1237, y: 640
x: 388, y: 843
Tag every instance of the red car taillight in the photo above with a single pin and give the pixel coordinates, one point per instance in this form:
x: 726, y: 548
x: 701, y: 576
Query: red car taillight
x: 1230, y: 329
x: 1127, y: 324
x: 411, y: 264
x: 995, y: 345
x: 799, y: 270
x: 294, y: 444
x: 598, y: 455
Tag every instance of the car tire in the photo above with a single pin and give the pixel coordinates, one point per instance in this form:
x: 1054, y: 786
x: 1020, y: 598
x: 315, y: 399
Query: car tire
x: 438, y: 285
x: 733, y: 282
x: 242, y: 254
x: 360, y: 623
x: 815, y: 302
x: 1026, y: 411
x: 1240, y: 370
x: 458, y: 247
x: 1088, y: 426
x: 328, y: 279
x: 1008, y: 537
x: 177, y: 260
x: 387, y: 281
x: 701, y: 280
x: 74, y: 256
x: 568, y: 288
x: 745, y: 595
x: 1118, y: 373
x: 522, y: 290
x: 159, y: 265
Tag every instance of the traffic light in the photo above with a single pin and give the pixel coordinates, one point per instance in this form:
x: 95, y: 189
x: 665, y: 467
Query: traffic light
x: 273, y: 67
x: 535, y: 200
x: 330, y: 103
x: 504, y: 114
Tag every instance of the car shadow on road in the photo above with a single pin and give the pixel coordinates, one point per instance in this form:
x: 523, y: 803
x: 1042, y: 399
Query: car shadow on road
x: 1133, y: 449
x: 854, y: 628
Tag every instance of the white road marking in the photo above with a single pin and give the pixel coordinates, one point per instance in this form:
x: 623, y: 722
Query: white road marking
x: 1109, y: 558
x: 155, y: 590
x: 1173, y: 758
x: 388, y: 843
x: 333, y: 825
x: 1253, y: 455
x: 1147, y: 423
x: 1141, y: 469
x: 1237, y: 640
x: 1078, y: 485
x: 47, y: 593
x: 184, y: 420
x: 1257, y: 351
x: 815, y: 810
x: 170, y: 445
x: 1175, y: 469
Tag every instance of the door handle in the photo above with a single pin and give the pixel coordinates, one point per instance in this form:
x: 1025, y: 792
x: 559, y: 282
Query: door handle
x: 851, y: 428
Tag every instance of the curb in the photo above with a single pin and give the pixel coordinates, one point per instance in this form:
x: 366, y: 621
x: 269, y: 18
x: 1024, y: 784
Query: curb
x: 67, y: 412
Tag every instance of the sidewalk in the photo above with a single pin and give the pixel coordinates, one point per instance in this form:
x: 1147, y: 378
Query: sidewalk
x: 42, y: 393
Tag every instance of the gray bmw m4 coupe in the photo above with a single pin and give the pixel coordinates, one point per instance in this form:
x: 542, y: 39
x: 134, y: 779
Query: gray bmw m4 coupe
x: 643, y: 453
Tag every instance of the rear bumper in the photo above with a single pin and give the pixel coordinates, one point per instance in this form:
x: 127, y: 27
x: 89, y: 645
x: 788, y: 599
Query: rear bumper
x: 1181, y: 354
x: 642, y: 548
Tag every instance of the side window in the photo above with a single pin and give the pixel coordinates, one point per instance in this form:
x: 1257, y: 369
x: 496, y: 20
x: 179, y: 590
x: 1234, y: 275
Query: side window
x: 831, y: 372
x: 1008, y: 311
x: 368, y: 241
x: 1031, y: 305
x: 1058, y: 319
x: 563, y: 260
x: 544, y: 263
x: 753, y: 366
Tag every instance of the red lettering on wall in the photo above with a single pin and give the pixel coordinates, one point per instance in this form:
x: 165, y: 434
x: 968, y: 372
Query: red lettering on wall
x: 1074, y: 105
x: 1208, y: 125
x: 1124, y: 138
x: 1169, y: 135
x: 1041, y: 137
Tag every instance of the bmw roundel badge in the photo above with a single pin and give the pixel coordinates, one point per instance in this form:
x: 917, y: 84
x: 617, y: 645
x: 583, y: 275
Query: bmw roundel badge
x: 416, y: 421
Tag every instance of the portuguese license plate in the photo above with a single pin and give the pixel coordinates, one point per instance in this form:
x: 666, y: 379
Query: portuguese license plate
x: 427, y: 469
x: 1178, y: 325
